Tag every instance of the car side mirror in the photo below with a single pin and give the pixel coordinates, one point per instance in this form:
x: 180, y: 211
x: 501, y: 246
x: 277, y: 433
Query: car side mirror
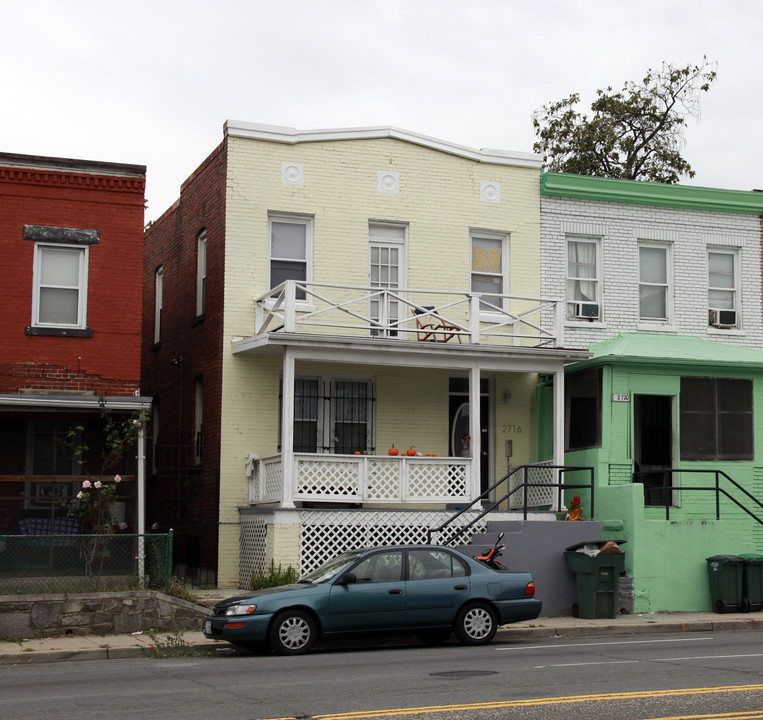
x: 349, y: 579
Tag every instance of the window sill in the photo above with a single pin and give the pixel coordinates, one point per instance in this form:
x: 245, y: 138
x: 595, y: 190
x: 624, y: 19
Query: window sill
x: 721, y: 332
x: 585, y: 324
x: 656, y: 327
x: 58, y: 331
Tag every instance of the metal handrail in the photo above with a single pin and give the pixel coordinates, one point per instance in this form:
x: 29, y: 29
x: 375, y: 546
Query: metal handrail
x: 524, y: 485
x: 716, y: 488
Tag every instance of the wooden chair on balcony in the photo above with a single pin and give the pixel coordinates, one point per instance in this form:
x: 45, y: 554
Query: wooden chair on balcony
x: 436, y: 330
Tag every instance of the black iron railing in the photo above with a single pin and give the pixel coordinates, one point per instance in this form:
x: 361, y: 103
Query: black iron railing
x: 527, y: 483
x: 668, y: 488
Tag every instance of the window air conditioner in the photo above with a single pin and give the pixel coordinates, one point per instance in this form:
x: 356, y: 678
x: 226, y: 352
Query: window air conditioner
x: 587, y: 311
x: 723, y: 318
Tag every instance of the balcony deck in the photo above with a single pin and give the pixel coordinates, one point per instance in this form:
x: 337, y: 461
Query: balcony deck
x: 436, y: 317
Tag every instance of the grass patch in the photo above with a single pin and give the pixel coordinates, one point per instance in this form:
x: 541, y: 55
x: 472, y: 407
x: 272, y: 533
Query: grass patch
x: 275, y: 576
x: 173, y: 645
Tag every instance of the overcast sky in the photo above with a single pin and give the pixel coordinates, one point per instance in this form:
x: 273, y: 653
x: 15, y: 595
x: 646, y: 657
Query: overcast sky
x: 151, y: 82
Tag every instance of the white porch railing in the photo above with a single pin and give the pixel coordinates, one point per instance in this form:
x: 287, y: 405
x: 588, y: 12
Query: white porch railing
x: 364, y: 478
x: 411, y: 314
x: 536, y: 496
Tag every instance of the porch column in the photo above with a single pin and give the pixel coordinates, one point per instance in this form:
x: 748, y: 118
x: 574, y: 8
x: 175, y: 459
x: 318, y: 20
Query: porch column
x: 558, y: 427
x: 287, y: 430
x: 475, y: 442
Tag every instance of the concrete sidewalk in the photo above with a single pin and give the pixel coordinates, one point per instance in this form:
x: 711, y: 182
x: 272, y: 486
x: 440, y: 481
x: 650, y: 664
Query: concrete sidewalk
x: 111, y: 647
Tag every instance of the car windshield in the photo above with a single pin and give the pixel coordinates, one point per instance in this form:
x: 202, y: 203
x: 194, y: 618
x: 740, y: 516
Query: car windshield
x: 332, y: 568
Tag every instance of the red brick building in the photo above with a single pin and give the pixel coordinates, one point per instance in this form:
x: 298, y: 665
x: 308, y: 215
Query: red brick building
x: 183, y: 306
x: 70, y: 329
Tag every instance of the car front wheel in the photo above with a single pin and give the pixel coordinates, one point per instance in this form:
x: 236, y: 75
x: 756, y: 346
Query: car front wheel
x: 292, y: 632
x: 476, y: 624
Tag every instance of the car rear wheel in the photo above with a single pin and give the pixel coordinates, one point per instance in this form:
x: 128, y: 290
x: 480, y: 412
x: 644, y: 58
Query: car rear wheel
x: 476, y: 624
x: 293, y: 632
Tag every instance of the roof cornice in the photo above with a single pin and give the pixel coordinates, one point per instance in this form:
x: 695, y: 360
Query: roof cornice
x: 70, y: 165
x: 634, y: 192
x: 292, y: 136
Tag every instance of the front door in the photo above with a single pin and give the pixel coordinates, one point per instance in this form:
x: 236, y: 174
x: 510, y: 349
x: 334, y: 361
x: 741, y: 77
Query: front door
x: 460, y: 442
x: 653, y: 443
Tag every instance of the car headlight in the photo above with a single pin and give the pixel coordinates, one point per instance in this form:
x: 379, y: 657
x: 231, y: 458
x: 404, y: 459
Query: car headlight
x: 240, y: 609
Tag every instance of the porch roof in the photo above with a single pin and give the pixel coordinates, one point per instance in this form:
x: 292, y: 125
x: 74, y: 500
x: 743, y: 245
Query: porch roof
x: 673, y: 349
x: 42, y: 401
x: 407, y: 353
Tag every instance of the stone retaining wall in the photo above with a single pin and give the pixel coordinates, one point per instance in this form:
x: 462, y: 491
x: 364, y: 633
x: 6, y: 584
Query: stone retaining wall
x: 105, y: 613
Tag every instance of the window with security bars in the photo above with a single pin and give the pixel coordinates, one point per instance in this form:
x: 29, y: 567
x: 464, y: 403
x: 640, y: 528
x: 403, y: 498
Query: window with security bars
x: 333, y: 415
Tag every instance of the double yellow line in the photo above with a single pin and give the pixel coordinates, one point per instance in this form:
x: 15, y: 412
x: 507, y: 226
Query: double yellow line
x: 500, y: 704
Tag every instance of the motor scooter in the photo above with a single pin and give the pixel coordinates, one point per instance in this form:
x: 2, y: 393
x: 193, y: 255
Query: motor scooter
x: 490, y: 557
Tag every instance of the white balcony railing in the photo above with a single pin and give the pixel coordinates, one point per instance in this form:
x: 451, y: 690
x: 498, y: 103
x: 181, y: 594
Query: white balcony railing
x: 363, y: 478
x: 411, y: 314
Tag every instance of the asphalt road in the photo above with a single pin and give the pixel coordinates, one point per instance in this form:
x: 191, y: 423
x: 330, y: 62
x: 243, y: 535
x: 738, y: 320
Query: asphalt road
x: 709, y: 676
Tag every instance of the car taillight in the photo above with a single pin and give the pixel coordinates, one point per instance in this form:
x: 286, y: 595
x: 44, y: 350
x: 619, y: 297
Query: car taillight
x: 530, y: 588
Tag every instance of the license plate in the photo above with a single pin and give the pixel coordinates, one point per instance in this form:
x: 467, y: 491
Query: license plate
x: 208, y: 627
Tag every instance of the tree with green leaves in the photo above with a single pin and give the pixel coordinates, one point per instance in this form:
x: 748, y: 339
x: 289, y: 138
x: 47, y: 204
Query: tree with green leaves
x: 634, y: 134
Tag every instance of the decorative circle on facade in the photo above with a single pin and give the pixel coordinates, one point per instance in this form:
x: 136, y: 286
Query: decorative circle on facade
x: 292, y: 173
x: 490, y: 191
x: 388, y: 182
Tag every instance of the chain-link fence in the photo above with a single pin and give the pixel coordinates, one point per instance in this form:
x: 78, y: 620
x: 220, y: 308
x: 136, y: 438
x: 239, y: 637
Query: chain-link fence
x: 83, y: 563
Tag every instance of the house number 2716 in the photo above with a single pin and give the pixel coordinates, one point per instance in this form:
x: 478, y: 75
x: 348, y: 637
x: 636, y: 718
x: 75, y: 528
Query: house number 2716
x: 512, y: 428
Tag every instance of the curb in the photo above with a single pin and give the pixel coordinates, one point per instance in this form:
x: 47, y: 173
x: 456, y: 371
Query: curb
x: 505, y: 634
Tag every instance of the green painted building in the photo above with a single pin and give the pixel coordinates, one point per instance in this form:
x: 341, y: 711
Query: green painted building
x: 662, y: 419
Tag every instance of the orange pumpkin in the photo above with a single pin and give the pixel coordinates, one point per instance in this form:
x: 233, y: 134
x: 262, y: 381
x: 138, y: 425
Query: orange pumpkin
x: 393, y: 451
x: 411, y: 452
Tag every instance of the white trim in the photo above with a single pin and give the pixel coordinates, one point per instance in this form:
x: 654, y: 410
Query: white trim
x: 736, y: 256
x: 90, y: 402
x: 503, y: 238
x: 292, y: 136
x: 158, y: 302
x: 201, y: 271
x: 669, y: 282
x: 83, y: 257
x: 294, y: 219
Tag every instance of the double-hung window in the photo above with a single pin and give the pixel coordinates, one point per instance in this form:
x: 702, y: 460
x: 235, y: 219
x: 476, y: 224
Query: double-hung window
x: 583, y: 279
x: 158, y: 302
x: 290, y: 249
x: 489, y: 268
x: 722, y: 290
x: 201, y: 272
x: 60, y: 277
x: 654, y: 282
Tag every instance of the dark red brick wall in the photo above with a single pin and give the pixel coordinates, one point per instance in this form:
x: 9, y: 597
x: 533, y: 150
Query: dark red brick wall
x: 183, y: 496
x: 109, y: 361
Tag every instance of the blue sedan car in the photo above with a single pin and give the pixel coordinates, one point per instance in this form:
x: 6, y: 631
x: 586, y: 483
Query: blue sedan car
x: 431, y: 591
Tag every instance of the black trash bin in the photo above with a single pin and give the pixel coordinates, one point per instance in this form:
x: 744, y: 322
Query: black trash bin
x: 725, y: 575
x: 597, y: 579
x: 752, y: 582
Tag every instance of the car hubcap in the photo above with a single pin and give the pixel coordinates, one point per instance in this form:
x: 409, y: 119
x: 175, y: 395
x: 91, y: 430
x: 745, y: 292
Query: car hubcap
x: 294, y: 633
x: 478, y: 623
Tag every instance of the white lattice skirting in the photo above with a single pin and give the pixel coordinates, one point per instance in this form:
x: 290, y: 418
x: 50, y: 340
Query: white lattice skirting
x: 324, y: 534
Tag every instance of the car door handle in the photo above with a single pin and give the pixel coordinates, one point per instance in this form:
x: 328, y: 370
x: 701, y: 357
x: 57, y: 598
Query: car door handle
x: 395, y: 591
x: 459, y: 587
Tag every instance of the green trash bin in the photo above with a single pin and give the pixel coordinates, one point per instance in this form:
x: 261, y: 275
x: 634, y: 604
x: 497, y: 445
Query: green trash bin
x: 597, y: 579
x: 752, y: 582
x: 725, y: 575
